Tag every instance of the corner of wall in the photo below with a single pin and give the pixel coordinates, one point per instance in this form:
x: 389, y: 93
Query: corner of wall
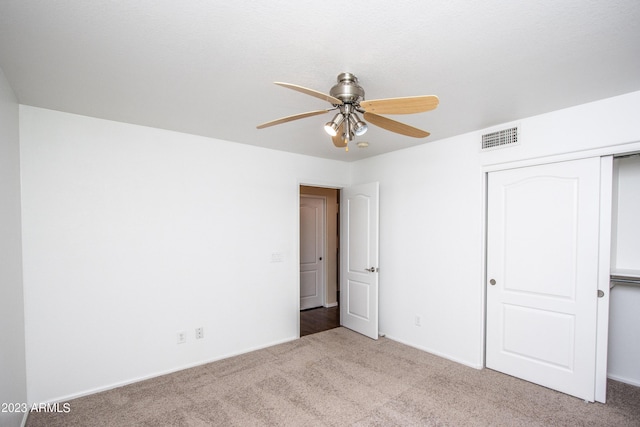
x: 13, y: 386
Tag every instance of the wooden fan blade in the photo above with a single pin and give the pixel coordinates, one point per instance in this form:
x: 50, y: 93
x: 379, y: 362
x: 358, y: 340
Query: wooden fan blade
x: 290, y: 118
x: 393, y: 126
x: 315, y: 93
x: 406, y: 105
x: 339, y: 140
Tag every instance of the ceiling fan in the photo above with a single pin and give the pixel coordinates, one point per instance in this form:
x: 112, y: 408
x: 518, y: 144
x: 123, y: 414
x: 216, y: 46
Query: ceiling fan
x: 347, y: 97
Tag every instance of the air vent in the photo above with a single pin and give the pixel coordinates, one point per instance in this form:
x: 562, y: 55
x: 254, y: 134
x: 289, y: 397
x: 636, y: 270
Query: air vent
x: 500, y: 138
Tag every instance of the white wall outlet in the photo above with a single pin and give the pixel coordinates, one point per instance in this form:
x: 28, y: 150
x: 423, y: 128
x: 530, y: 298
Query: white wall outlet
x: 418, y: 320
x: 277, y: 257
x: 199, y: 333
x: 182, y: 337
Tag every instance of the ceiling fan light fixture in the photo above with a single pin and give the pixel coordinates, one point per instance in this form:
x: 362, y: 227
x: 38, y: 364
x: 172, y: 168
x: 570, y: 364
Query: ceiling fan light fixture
x: 332, y: 127
x: 358, y: 126
x: 347, y: 97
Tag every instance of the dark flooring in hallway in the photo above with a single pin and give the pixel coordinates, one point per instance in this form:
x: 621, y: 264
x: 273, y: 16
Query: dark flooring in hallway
x: 319, y: 319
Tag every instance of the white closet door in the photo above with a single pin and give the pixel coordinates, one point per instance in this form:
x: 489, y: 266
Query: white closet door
x: 542, y: 274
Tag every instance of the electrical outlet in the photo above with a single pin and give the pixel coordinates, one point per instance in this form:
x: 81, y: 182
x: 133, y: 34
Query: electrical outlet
x: 418, y: 320
x: 199, y: 333
x: 182, y: 337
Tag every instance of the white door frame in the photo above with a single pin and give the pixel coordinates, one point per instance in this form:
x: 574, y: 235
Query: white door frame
x: 341, y: 265
x: 310, y: 183
x: 604, y: 256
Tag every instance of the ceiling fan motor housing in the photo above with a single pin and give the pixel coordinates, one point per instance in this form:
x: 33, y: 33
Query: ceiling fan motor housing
x: 347, y: 90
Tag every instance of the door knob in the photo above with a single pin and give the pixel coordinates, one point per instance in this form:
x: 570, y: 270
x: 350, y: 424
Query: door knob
x: 492, y: 282
x: 370, y: 270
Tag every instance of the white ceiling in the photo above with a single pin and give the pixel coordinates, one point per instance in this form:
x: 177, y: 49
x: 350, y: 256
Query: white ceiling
x: 207, y: 67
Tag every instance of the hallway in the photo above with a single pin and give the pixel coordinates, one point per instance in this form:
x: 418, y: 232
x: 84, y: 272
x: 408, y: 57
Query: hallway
x: 319, y: 319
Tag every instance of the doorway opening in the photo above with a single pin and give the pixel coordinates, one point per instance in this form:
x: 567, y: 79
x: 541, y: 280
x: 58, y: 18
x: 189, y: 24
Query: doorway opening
x: 623, y: 350
x: 319, y: 259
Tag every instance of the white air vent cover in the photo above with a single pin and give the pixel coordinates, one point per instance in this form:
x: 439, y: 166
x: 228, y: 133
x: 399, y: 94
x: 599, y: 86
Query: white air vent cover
x: 500, y: 138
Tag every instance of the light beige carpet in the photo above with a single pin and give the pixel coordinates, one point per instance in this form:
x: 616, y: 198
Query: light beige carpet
x: 340, y: 378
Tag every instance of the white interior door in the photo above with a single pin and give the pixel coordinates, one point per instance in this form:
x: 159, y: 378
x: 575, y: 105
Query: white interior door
x: 542, y: 274
x: 311, y: 251
x: 359, y: 259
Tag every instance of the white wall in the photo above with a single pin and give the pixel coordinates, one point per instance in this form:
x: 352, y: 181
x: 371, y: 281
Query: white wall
x: 609, y: 122
x: 626, y: 214
x: 12, y: 349
x: 132, y: 234
x: 624, y: 314
x: 430, y: 245
x: 431, y: 220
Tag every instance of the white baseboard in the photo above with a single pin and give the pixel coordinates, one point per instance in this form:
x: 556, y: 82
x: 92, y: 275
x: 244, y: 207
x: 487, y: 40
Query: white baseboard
x: 630, y: 381
x: 436, y: 353
x: 161, y: 373
x: 331, y: 304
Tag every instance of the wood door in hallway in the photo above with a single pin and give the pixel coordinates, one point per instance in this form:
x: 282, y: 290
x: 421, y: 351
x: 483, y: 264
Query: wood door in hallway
x: 312, y: 223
